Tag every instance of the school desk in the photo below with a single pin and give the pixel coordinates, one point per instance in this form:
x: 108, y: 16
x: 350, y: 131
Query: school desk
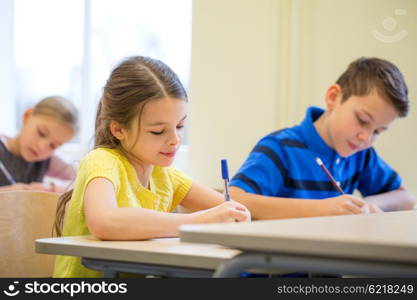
x: 362, y: 245
x: 163, y: 257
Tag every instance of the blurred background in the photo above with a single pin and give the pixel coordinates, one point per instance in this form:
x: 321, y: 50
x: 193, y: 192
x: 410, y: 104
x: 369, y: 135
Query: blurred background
x: 250, y: 67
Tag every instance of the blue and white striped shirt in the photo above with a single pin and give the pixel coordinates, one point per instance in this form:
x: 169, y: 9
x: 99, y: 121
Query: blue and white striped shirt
x: 282, y: 164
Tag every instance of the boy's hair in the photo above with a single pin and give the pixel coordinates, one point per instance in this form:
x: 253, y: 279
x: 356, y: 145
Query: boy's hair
x: 59, y: 108
x: 133, y: 83
x: 367, y: 74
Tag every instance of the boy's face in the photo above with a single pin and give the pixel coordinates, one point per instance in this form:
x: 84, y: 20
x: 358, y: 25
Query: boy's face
x: 354, y: 124
x: 160, y: 134
x: 41, y: 135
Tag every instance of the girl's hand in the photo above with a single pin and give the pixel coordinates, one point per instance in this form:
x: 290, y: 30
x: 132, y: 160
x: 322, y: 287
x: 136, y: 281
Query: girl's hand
x: 45, y: 187
x: 226, y: 212
x: 38, y: 186
x: 15, y: 187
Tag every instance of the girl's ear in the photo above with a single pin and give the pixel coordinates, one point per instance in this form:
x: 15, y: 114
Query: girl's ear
x: 333, y: 96
x: 27, y: 114
x: 117, y: 130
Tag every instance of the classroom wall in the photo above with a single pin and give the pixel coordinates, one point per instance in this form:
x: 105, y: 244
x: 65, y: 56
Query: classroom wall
x: 257, y: 65
x: 8, y: 110
x: 233, y: 82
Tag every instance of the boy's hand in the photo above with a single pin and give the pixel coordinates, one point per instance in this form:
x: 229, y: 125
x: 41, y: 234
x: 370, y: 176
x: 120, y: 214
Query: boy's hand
x: 374, y: 209
x: 345, y: 205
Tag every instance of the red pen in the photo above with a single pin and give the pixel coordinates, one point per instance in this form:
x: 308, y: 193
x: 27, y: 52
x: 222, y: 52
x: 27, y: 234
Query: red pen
x: 323, y: 167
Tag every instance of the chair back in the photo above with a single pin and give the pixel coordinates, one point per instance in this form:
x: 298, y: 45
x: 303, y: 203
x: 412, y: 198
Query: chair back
x: 24, y: 217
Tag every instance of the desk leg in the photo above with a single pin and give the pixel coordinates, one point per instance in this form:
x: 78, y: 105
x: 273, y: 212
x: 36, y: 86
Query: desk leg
x: 111, y: 269
x: 241, y: 263
x: 103, y: 266
x: 313, y: 264
x: 109, y: 274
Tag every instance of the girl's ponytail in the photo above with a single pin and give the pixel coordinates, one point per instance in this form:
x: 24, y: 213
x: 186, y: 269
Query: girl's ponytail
x: 60, y: 212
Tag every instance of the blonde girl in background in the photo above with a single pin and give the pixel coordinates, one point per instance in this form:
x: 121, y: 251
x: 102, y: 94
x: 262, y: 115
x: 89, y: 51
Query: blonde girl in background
x: 27, y: 158
x: 125, y: 188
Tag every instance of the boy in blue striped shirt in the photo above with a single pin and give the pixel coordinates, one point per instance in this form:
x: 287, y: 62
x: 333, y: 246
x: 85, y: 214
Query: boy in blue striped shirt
x: 280, y: 177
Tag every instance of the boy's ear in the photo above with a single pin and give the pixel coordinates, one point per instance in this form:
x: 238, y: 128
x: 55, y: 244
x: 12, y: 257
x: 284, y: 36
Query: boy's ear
x: 333, y: 96
x: 27, y: 114
x: 117, y: 130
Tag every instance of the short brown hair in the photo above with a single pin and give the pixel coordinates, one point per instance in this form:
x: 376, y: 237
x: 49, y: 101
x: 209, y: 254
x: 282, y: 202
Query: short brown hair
x: 366, y: 74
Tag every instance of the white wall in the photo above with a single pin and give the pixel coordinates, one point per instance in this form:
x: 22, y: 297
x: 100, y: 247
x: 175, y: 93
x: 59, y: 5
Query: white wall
x: 233, y: 88
x: 341, y: 31
x: 257, y: 65
x: 8, y: 107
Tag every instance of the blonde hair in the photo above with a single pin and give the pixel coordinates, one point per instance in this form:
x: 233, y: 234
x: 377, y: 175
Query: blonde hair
x: 59, y: 108
x: 133, y: 83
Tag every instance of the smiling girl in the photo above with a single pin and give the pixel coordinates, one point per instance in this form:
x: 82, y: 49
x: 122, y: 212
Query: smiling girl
x: 125, y: 188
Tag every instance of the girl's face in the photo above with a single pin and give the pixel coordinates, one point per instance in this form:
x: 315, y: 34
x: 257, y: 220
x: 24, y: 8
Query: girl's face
x: 41, y: 135
x: 160, y: 133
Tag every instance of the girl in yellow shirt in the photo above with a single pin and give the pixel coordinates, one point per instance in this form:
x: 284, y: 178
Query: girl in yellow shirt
x: 125, y: 188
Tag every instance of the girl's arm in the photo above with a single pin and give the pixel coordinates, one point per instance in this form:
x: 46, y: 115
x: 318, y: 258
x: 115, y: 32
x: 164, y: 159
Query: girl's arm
x: 15, y: 187
x: 107, y: 221
x: 200, y: 197
x: 34, y: 186
x: 59, y: 177
x: 60, y: 169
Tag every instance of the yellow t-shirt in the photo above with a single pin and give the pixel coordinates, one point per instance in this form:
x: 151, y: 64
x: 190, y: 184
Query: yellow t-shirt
x: 168, y: 187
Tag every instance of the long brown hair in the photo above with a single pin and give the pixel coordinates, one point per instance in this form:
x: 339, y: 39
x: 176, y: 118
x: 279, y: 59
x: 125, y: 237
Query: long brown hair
x: 133, y: 83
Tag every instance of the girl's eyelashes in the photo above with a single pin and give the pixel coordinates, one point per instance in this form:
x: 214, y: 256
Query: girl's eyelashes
x: 179, y: 127
x: 157, y: 132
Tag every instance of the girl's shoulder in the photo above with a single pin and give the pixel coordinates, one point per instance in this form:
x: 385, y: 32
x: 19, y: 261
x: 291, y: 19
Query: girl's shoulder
x: 174, y: 174
x: 102, y: 156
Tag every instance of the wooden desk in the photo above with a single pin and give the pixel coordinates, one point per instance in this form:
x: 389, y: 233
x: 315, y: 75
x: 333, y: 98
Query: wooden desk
x: 167, y: 257
x: 365, y: 245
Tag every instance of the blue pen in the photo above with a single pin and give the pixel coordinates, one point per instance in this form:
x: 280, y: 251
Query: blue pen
x: 225, y: 176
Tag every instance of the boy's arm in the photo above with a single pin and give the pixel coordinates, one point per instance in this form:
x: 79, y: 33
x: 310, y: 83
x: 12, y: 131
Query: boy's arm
x: 399, y: 199
x: 265, y: 207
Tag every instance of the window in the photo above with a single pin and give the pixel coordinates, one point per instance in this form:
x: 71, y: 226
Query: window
x: 69, y: 47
